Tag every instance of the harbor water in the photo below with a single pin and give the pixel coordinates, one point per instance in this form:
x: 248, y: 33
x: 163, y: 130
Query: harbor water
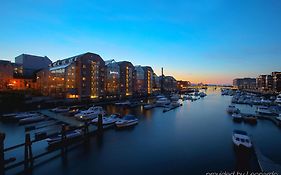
x: 195, y: 138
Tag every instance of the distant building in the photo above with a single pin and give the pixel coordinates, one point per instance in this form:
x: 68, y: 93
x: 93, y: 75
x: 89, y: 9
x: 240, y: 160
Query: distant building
x: 245, y: 83
x: 31, y: 64
x: 112, y: 79
x: 11, y: 77
x: 80, y: 77
x: 183, y: 85
x: 126, y: 78
x: 276, y: 85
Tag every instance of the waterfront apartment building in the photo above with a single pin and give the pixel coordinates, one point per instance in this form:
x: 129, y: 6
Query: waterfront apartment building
x: 244, y: 83
x: 31, y: 64
x: 276, y: 78
x: 156, y: 85
x: 148, y: 79
x: 80, y: 77
x: 126, y: 78
x: 269, y: 82
x: 169, y: 83
x: 261, y: 82
x: 112, y: 79
x: 138, y: 81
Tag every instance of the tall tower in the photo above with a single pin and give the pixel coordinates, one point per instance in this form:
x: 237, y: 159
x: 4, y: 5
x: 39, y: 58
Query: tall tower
x: 162, y: 80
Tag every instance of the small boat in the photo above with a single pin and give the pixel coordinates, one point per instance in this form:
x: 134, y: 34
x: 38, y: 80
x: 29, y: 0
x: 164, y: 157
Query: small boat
x: 60, y: 109
x: 90, y: 114
x: 237, y: 117
x: 232, y: 109
x: 33, y: 119
x: 125, y: 103
x: 279, y: 118
x: 126, y: 121
x: 250, y: 119
x: 148, y: 106
x: 8, y: 117
x: 162, y: 101
x: 278, y: 99
x: 202, y: 94
x: 175, y: 97
x: 175, y: 104
x: 241, y: 139
x: 106, y: 120
x: 265, y: 101
x: 69, y: 135
x: 264, y: 110
x: 25, y: 115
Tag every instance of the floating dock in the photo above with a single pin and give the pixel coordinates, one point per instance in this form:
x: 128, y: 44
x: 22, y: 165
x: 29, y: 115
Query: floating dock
x: 58, y: 116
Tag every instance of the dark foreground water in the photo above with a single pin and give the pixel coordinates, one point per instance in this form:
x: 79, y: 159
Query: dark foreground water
x: 192, y: 139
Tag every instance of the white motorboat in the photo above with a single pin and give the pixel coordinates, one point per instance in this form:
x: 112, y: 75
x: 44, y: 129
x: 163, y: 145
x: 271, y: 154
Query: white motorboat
x: 232, y: 109
x: 162, y: 101
x: 126, y: 121
x: 148, y: 106
x: 237, y: 117
x: 90, y: 114
x: 279, y: 118
x: 278, y: 99
x: 60, y: 109
x: 202, y: 94
x: 125, y: 103
x: 69, y: 135
x: 160, y: 96
x: 175, y: 97
x: 106, y: 120
x: 264, y: 110
x: 241, y: 139
x: 33, y: 119
x: 265, y: 101
x: 175, y: 104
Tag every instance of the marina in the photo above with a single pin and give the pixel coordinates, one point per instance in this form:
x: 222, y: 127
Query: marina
x: 178, y: 119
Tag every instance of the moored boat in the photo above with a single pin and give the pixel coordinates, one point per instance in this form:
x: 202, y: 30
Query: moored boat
x: 278, y: 99
x: 106, y: 120
x: 250, y: 118
x: 60, y: 109
x: 148, y: 106
x: 25, y: 115
x: 33, y: 119
x: 126, y: 121
x: 162, y: 101
x: 264, y: 110
x: 241, y: 139
x: 237, y: 117
x: 69, y: 135
x: 232, y: 109
x: 90, y: 114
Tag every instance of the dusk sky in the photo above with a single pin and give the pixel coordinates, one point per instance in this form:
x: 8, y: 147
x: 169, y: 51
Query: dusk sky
x: 210, y: 41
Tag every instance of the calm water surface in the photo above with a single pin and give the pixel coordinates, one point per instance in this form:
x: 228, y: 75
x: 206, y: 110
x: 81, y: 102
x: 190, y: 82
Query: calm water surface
x: 192, y: 139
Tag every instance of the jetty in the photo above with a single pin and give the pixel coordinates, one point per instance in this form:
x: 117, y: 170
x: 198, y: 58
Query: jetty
x: 265, y: 164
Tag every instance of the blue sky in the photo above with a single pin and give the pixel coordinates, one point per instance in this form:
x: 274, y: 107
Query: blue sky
x: 211, y: 41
